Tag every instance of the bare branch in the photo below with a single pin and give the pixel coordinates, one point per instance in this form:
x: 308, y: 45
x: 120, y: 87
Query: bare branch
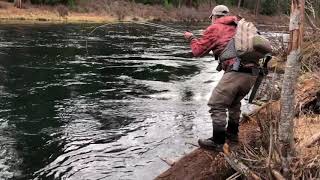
x: 238, y: 165
x: 270, y: 146
x: 277, y: 175
x: 311, y: 23
x: 234, y: 176
x: 310, y: 8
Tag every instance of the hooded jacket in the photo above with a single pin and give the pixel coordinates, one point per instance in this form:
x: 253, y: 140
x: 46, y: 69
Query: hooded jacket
x: 215, y: 38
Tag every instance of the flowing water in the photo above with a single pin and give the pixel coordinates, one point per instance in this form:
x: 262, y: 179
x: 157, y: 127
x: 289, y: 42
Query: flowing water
x: 108, y: 111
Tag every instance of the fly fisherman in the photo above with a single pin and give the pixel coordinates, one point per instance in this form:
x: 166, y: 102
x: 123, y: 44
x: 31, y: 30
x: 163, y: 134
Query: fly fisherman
x: 235, y: 83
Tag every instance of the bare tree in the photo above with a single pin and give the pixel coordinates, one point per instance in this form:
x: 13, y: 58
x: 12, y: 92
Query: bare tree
x: 257, y: 9
x: 278, y: 6
x: 18, y: 3
x: 290, y: 79
x: 239, y: 3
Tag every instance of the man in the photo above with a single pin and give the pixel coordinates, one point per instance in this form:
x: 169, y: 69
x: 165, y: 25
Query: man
x: 234, y: 85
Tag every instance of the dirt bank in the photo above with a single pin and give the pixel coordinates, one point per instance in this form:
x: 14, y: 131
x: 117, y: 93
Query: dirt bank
x: 203, y: 164
x: 99, y: 11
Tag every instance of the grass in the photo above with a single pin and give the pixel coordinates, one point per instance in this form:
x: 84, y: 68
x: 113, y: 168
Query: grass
x: 47, y: 13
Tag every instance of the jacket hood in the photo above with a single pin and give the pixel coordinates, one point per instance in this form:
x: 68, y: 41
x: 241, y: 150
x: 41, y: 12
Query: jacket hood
x: 227, y: 20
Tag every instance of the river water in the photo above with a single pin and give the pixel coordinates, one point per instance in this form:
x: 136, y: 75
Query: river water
x: 108, y: 111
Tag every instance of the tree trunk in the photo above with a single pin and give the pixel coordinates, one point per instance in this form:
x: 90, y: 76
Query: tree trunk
x: 257, y: 9
x: 180, y: 4
x: 189, y: 3
x: 18, y: 3
x: 239, y: 3
x: 279, y: 7
x: 288, y: 88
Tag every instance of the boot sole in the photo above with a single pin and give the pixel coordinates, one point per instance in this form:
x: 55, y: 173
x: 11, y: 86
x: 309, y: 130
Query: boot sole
x: 214, y: 148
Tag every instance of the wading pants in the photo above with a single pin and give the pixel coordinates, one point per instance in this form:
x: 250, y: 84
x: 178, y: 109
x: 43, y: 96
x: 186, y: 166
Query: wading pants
x: 226, y: 96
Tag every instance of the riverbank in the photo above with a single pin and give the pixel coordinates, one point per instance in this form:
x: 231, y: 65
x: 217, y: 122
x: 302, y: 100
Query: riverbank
x: 101, y: 12
x: 52, y: 14
x: 256, y: 154
x: 254, y: 134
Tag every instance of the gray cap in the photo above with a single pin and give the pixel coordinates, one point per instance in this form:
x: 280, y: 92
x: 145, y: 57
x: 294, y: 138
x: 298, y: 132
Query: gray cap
x: 220, y: 10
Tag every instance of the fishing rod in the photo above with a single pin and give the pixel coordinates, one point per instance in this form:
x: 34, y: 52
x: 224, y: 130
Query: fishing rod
x: 133, y: 22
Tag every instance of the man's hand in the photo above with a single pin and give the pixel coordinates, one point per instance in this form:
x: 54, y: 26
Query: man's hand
x: 188, y: 36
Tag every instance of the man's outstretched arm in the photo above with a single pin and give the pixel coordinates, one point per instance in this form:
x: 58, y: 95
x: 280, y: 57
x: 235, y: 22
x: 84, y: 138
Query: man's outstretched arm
x: 202, y: 46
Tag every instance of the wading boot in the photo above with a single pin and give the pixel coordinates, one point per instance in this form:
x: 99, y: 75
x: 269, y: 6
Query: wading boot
x: 216, y: 142
x: 232, y: 132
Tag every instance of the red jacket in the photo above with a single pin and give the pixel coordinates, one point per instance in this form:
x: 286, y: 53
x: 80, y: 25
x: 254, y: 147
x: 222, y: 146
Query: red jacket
x: 215, y: 37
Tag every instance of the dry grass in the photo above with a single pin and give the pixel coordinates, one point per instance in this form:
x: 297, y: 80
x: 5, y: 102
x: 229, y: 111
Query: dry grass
x: 307, y: 164
x: 48, y: 13
x: 306, y: 126
x: 100, y: 11
x: 264, y: 159
x: 311, y: 54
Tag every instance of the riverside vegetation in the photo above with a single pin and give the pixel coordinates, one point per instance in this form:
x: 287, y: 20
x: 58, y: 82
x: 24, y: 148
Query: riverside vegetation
x: 164, y: 10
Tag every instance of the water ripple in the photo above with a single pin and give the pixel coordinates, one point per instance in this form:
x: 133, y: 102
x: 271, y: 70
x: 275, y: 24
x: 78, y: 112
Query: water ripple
x: 106, y: 109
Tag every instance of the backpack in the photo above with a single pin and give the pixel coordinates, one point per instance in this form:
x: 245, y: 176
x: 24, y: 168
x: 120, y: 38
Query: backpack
x: 247, y: 45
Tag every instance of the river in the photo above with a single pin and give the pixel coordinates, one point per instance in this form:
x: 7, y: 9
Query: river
x: 107, y: 109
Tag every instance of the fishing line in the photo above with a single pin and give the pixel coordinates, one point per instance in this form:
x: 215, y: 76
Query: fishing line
x: 132, y: 22
x: 141, y: 23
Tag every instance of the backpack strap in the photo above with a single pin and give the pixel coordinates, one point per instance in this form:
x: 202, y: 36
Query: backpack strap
x: 229, y: 51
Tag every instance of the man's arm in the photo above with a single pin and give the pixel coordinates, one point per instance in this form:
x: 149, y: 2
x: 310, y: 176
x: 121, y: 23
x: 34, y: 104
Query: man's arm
x: 202, y: 46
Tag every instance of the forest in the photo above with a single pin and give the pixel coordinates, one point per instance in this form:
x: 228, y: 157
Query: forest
x: 266, y: 7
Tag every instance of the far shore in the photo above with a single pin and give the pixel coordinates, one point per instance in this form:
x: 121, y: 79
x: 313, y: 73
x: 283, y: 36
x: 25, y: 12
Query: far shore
x: 52, y: 14
x: 35, y: 15
x: 32, y: 14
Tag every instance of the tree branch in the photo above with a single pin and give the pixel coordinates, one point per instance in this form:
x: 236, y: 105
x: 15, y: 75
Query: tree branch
x: 238, y: 165
x: 277, y: 175
x: 311, y: 23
